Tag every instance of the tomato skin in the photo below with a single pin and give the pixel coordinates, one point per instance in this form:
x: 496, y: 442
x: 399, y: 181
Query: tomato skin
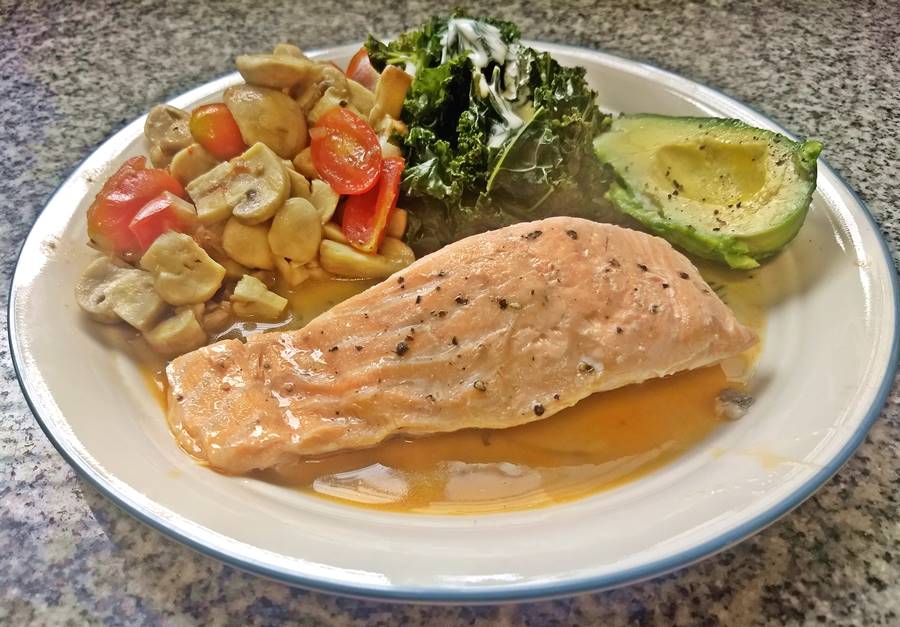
x: 125, y: 192
x: 366, y: 216
x: 346, y: 152
x: 161, y: 214
x: 360, y: 69
x: 213, y: 127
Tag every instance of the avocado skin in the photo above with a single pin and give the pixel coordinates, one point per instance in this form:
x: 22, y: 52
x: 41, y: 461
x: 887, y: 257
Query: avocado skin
x: 737, y: 250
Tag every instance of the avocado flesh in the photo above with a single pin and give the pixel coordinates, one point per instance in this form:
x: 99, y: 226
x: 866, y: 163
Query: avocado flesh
x: 717, y: 188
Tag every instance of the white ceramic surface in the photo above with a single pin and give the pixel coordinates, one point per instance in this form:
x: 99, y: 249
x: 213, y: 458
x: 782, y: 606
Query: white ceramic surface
x: 826, y: 367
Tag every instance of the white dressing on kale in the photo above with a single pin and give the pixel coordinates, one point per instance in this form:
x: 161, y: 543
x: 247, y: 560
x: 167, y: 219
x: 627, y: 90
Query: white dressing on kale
x: 482, y: 42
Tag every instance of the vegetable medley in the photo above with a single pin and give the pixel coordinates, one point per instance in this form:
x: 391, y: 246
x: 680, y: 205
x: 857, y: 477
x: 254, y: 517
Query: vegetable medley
x: 298, y: 172
x: 295, y: 174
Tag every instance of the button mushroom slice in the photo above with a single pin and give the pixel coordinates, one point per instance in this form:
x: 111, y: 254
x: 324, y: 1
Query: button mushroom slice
x: 278, y: 71
x: 346, y: 261
x: 92, y: 289
x: 248, y: 244
x: 304, y: 164
x: 299, y: 185
x: 252, y: 299
x: 135, y: 299
x: 166, y: 129
x: 183, y: 273
x: 209, y: 237
x: 316, y: 271
x: 335, y: 233
x: 252, y: 187
x: 396, y: 226
x: 296, y: 231
x: 395, y: 250
x: 268, y: 116
x: 216, y: 316
x: 288, y: 50
x: 327, y: 76
x: 178, y: 334
x: 324, y: 199
x: 191, y: 162
x: 360, y: 97
x: 390, y: 92
x: 291, y: 272
x: 331, y: 99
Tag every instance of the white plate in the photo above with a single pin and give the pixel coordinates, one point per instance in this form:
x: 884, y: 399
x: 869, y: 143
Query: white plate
x: 827, y: 365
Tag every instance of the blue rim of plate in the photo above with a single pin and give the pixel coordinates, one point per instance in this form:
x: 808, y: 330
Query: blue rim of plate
x: 521, y: 593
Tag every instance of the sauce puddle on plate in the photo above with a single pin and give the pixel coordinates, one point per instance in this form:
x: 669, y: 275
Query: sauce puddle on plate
x: 603, y: 441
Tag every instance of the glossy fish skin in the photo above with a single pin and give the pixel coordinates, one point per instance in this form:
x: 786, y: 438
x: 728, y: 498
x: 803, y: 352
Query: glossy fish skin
x: 493, y: 331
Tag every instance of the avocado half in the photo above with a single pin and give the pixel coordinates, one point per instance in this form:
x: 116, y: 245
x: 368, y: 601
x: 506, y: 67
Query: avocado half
x: 717, y: 188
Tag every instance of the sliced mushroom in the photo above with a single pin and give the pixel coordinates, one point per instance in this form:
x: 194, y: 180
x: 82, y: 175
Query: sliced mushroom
x: 177, y: 334
x: 307, y: 94
x: 252, y: 186
x: 288, y: 50
x: 166, y: 129
x: 331, y: 99
x: 135, y: 299
x: 248, y: 244
x: 191, y: 162
x: 324, y: 199
x: 299, y: 185
x: 268, y: 116
x: 291, y: 272
x: 304, y: 164
x: 360, y: 97
x: 316, y: 271
x: 183, y: 273
x: 252, y: 299
x: 296, y: 231
x: 396, y: 251
x: 390, y: 92
x: 396, y: 226
x: 92, y: 289
x: 209, y: 237
x: 216, y: 316
x: 346, y: 261
x: 278, y: 71
x: 335, y: 233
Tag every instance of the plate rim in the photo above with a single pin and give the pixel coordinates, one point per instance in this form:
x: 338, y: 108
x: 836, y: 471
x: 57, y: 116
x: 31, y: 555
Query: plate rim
x: 520, y: 592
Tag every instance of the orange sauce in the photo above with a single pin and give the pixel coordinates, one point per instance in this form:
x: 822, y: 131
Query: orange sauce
x: 604, y: 441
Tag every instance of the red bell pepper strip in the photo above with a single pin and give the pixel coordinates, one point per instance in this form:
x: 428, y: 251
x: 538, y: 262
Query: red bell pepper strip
x: 366, y: 216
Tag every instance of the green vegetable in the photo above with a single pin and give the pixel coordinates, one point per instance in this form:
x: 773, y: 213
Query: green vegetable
x: 498, y: 132
x: 717, y: 188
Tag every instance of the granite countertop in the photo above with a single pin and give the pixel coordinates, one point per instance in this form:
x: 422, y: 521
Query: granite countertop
x: 73, y: 73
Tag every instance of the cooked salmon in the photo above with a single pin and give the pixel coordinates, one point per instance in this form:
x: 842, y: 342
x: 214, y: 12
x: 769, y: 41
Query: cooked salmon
x: 493, y: 331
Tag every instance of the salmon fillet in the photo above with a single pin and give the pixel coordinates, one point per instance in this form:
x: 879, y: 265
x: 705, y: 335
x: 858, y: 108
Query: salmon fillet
x: 492, y: 331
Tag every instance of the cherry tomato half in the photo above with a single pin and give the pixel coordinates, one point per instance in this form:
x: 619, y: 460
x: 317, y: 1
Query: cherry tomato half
x: 360, y: 69
x: 166, y: 212
x: 345, y: 151
x: 124, y: 194
x: 213, y: 127
x: 366, y: 216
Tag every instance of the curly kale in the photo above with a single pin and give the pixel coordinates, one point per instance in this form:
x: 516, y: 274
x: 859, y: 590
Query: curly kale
x: 498, y: 132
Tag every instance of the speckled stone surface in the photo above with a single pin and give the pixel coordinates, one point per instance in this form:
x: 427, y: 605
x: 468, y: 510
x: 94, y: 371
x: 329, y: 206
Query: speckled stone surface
x: 73, y: 73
